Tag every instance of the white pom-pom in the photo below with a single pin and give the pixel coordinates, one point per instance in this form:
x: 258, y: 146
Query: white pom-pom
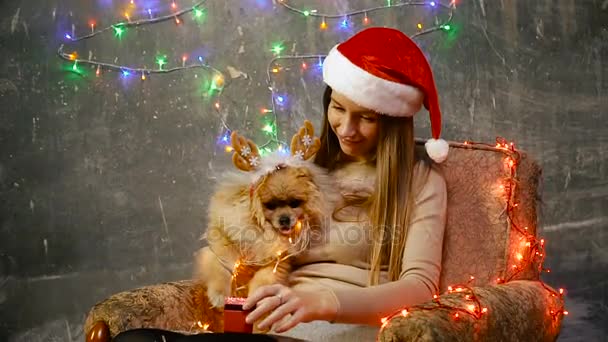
x: 437, y: 149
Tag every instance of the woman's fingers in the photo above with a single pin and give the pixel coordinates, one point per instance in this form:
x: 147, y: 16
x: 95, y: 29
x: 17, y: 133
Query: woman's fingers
x: 264, y: 306
x: 279, y: 313
x: 260, y: 293
x: 291, y: 322
x: 280, y: 322
x: 283, y: 307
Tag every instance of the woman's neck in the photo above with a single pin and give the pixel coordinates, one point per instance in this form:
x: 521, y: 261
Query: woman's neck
x: 345, y: 159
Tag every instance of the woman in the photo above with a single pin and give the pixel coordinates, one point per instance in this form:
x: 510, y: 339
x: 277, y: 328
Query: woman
x: 376, y: 81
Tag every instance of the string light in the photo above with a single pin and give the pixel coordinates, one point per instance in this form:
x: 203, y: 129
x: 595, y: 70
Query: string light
x: 198, y: 13
x: 531, y: 249
x: 323, y: 24
x: 119, y: 29
x: 139, y: 22
x: 126, y: 70
x: 277, y: 99
x: 274, y: 68
x: 246, y: 266
x: 345, y: 23
x: 277, y: 48
x: 217, y: 83
x: 162, y: 60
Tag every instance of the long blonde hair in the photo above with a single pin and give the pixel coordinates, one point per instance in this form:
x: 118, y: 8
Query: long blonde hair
x: 390, y: 206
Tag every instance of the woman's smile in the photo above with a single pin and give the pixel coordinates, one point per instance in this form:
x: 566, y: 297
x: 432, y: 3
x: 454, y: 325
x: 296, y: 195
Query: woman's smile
x: 349, y: 141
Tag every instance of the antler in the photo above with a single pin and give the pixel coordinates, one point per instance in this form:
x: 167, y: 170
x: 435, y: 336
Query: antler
x: 246, y: 156
x: 304, y: 144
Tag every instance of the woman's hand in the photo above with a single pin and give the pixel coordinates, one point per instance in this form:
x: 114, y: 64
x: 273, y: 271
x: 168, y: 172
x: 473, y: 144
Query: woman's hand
x: 288, y: 307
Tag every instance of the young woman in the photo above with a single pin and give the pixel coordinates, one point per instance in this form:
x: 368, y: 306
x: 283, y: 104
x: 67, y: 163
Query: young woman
x: 383, y: 249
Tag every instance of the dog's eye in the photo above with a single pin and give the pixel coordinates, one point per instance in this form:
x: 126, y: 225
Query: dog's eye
x: 294, y: 203
x: 270, y: 205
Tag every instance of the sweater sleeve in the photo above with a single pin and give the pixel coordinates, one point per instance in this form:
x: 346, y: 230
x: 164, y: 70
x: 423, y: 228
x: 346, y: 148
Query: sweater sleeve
x: 419, y: 279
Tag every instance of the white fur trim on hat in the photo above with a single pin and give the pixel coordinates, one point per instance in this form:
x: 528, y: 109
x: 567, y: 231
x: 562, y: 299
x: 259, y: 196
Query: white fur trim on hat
x: 437, y: 149
x: 370, y: 91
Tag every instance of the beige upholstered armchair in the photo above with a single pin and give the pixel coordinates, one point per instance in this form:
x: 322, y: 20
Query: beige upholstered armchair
x: 490, y: 287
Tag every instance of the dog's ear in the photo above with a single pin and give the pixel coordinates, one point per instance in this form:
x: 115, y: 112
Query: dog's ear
x: 246, y: 156
x: 304, y: 144
x: 303, y: 172
x: 256, y: 208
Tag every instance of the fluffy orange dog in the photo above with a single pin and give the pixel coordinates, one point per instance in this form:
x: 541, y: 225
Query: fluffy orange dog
x: 259, y: 219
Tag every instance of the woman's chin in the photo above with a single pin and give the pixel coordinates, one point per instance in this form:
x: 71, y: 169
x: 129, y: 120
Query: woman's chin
x: 352, y: 154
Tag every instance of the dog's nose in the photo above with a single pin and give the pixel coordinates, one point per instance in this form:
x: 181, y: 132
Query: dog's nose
x: 284, y: 220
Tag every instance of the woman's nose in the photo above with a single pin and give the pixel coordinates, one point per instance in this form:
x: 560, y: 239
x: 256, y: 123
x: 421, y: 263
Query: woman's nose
x: 347, y: 127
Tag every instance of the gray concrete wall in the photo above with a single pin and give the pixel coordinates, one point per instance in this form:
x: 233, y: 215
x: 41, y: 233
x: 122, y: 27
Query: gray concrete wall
x: 104, y: 180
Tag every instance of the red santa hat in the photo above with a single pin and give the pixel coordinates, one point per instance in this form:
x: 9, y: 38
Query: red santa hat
x: 384, y: 70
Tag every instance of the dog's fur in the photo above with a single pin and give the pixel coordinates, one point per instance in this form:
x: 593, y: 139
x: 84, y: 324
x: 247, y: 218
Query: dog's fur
x: 253, y: 221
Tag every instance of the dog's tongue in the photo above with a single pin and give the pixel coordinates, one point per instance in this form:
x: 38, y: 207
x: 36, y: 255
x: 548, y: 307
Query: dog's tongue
x: 287, y: 231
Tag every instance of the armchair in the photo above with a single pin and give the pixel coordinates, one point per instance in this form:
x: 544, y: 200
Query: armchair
x: 490, y: 280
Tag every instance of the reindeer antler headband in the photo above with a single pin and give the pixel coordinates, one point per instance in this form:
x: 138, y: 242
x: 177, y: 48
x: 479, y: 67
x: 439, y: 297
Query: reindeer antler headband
x: 247, y: 157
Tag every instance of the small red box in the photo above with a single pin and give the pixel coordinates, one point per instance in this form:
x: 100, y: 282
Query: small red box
x: 234, y: 316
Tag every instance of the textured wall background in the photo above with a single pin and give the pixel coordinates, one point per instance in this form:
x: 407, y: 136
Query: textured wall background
x: 104, y: 180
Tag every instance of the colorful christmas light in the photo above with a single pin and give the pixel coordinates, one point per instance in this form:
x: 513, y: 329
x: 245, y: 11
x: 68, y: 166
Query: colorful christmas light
x: 270, y: 127
x: 119, y: 30
x: 125, y: 70
x: 122, y: 26
x: 345, y: 22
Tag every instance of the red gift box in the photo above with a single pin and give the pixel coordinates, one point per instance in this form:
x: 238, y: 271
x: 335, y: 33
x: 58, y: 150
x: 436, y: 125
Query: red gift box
x: 234, y: 316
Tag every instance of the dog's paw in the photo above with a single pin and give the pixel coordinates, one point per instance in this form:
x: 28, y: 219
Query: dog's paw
x: 216, y: 299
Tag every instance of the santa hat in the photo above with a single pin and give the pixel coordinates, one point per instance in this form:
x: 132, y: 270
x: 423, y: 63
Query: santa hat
x: 384, y: 70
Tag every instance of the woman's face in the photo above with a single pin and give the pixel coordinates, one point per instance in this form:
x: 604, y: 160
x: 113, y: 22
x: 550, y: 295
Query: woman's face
x: 356, y: 127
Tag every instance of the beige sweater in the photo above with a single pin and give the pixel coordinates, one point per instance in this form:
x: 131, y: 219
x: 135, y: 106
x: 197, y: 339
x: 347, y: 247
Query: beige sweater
x: 337, y: 258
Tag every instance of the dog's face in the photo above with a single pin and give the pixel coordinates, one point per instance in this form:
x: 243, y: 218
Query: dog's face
x: 284, y: 198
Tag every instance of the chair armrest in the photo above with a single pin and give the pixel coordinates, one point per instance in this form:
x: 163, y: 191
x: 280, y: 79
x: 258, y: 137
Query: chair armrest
x: 522, y: 310
x: 176, y: 306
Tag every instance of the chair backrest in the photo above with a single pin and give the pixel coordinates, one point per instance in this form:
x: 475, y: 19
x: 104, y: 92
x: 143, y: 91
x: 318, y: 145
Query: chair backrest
x: 480, y: 239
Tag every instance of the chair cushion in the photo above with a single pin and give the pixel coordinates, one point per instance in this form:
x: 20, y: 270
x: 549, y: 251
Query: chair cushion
x: 478, y: 240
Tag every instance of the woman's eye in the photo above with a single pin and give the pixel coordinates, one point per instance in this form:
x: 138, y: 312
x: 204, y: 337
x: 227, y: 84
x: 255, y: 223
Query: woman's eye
x: 368, y: 118
x: 339, y: 109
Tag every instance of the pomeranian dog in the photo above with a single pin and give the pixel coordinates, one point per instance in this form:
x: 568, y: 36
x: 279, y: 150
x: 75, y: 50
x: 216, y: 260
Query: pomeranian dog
x: 260, y: 218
